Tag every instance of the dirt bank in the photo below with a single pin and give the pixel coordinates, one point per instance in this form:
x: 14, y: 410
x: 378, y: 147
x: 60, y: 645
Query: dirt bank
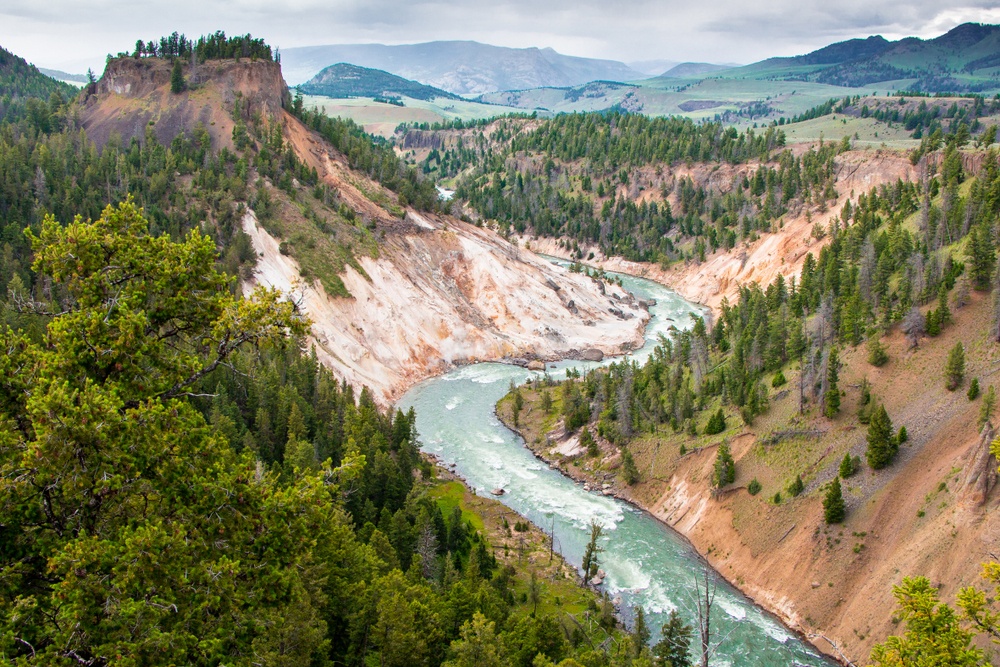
x: 782, y: 251
x: 932, y: 512
x: 449, y: 294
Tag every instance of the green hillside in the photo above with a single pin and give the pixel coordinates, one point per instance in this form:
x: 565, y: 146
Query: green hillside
x: 20, y: 80
x: 964, y: 60
x: 344, y: 80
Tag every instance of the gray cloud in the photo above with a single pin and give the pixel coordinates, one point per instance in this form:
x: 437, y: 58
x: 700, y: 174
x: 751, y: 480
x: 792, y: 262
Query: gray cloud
x: 75, y: 34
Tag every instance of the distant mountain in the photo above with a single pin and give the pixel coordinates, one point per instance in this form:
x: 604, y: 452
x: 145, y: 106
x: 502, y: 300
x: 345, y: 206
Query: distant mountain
x: 688, y: 70
x: 651, y: 67
x: 965, y: 59
x: 60, y: 75
x: 460, y: 67
x: 344, y: 80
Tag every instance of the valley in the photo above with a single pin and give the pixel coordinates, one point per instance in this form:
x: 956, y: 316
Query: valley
x: 746, y: 315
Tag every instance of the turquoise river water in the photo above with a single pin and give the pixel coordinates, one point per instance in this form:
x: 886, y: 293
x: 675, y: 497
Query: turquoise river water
x: 646, y: 562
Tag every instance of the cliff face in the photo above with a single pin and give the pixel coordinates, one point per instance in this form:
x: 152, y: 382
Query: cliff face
x: 448, y: 293
x: 134, y: 93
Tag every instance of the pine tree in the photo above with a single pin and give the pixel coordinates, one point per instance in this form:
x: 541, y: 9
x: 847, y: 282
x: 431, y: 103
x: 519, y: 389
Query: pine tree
x: 877, y: 355
x: 973, y: 393
x: 724, y: 471
x: 979, y: 248
x: 641, y: 632
x: 987, y: 406
x: 846, y: 466
x: 882, y: 447
x: 716, y: 423
x: 831, y: 399
x: 954, y: 370
x: 833, y: 504
x: 177, y: 84
x: 674, y: 646
x: 630, y: 474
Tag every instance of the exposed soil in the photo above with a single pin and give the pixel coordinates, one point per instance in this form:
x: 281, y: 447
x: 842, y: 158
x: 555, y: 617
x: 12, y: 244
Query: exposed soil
x: 925, y: 514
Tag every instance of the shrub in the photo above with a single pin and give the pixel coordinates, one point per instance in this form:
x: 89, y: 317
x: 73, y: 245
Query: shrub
x: 779, y: 379
x: 753, y: 488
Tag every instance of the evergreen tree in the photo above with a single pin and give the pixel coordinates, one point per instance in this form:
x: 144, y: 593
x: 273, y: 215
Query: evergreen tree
x: 716, y: 423
x: 973, y: 393
x: 834, y: 509
x: 987, y: 406
x: 724, y: 471
x: 674, y: 647
x: 177, y: 84
x: 934, y: 636
x: 954, y: 370
x: 979, y: 248
x: 882, y: 447
x: 630, y: 473
x: 877, y: 354
x: 641, y: 631
x: 831, y: 399
x: 846, y: 466
x: 796, y: 487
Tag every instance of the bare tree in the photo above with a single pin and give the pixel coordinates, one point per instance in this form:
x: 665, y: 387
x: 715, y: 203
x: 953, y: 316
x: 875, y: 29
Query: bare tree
x: 913, y: 326
x: 705, y: 598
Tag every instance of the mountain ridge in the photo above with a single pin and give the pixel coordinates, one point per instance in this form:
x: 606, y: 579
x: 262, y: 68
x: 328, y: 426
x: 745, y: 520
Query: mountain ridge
x: 459, y: 67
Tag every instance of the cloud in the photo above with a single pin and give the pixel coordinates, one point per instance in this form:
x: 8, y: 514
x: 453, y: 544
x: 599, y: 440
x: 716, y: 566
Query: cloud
x: 77, y: 33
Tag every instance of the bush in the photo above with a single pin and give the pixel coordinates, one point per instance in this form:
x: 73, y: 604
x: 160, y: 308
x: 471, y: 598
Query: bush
x: 753, y: 488
x: 779, y: 379
x: 777, y: 498
x: 716, y: 423
x: 902, y: 436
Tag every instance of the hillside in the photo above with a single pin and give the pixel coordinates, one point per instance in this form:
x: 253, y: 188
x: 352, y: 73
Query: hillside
x: 21, y: 81
x: 460, y: 67
x: 223, y: 497
x: 963, y: 60
x: 929, y: 511
x: 344, y: 80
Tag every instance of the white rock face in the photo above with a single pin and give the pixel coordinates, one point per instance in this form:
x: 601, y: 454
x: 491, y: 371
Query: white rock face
x: 451, y: 295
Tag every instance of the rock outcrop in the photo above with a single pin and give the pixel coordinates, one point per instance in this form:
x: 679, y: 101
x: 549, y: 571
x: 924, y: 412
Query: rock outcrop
x: 981, y: 472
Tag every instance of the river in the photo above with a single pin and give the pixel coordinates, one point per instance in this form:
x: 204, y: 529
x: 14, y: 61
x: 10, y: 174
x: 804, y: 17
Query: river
x: 646, y: 562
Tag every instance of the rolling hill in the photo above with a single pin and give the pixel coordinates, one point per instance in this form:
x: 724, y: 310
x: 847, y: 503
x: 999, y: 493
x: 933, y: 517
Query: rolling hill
x: 460, y: 67
x: 966, y: 59
x: 344, y: 80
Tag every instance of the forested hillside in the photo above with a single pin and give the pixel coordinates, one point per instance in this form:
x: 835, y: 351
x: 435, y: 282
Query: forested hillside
x: 25, y: 91
x: 180, y: 481
x: 755, y: 405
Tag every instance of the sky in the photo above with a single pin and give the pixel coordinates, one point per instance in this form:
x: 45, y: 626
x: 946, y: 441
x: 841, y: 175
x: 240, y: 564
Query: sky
x: 73, y: 35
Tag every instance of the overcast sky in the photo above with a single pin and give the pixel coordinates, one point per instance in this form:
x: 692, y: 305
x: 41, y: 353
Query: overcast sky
x: 74, y: 34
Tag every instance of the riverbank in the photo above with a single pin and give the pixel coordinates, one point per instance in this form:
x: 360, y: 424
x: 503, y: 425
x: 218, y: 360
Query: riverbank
x: 923, y: 515
x: 546, y: 438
